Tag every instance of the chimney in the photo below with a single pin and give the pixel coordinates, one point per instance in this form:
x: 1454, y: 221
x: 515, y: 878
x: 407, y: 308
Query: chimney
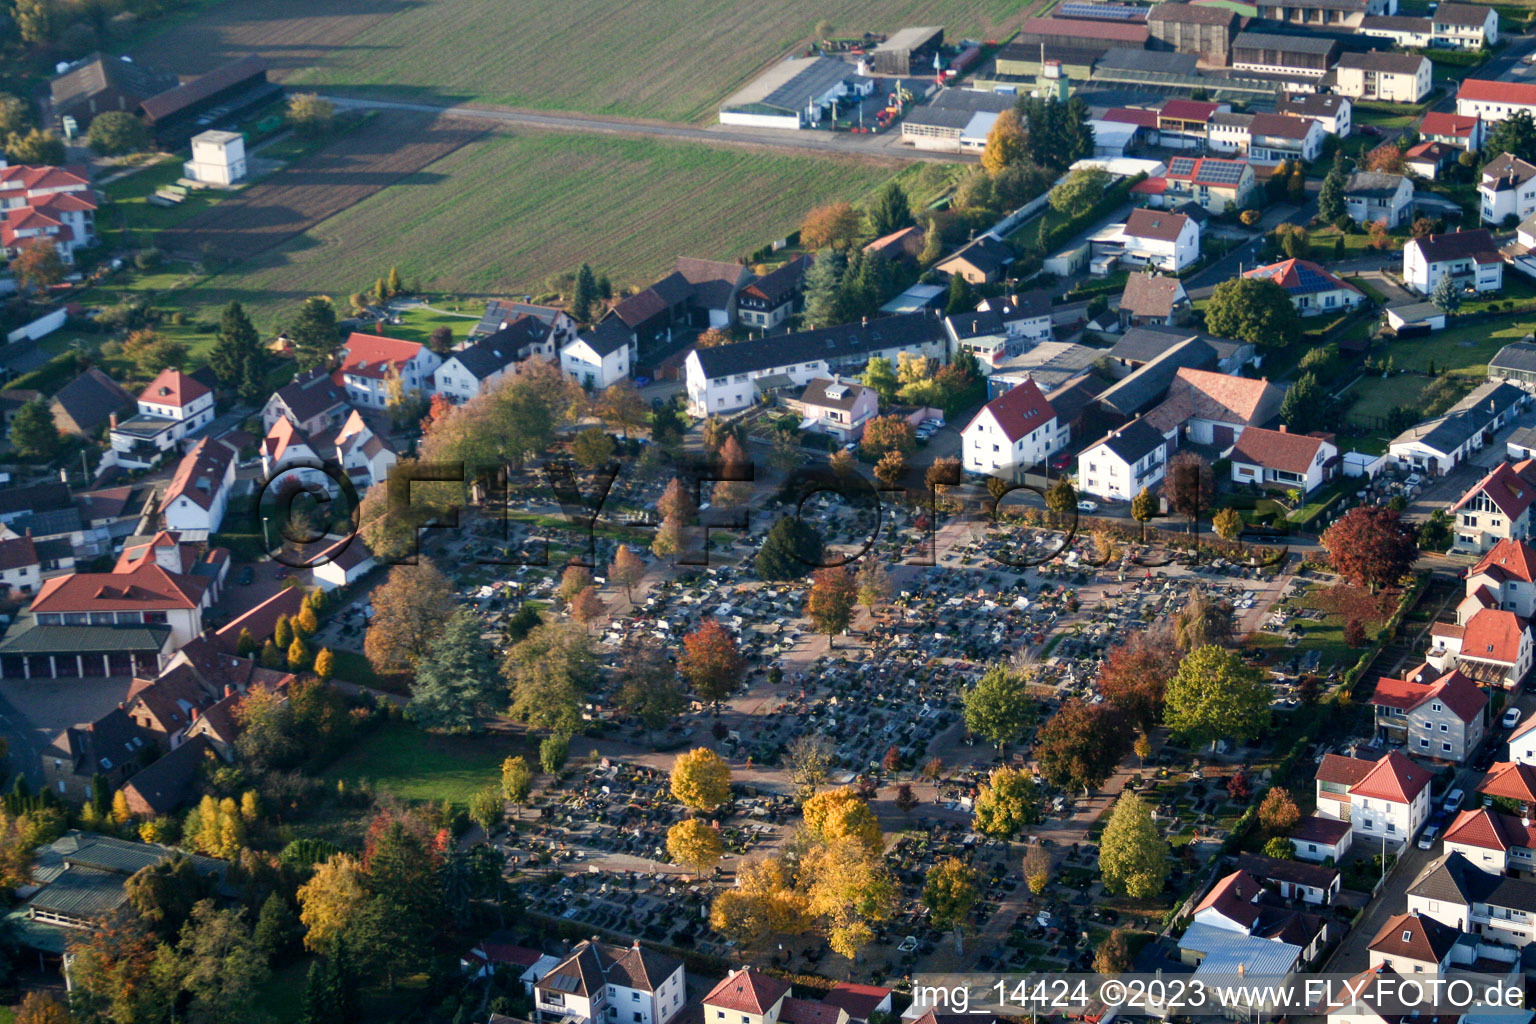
x: 1282, y: 428
x: 229, y: 690
x: 112, y: 420
x: 196, y: 714
x: 864, y: 321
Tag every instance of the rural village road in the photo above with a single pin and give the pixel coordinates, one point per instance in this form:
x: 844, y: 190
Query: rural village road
x: 873, y: 146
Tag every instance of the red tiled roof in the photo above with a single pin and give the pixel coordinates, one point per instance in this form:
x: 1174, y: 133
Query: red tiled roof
x: 1394, y: 778
x: 1480, y: 828
x: 1510, y: 779
x: 200, y: 473
x: 1508, y: 559
x: 1415, y: 938
x: 1233, y: 897
x: 1457, y: 692
x: 1150, y: 187
x: 147, y: 588
x: 1155, y: 224
x: 1510, y: 93
x: 1132, y: 115
x: 747, y: 991
x: 808, y: 1011
x: 262, y: 619
x: 1345, y: 770
x: 1442, y: 122
x: 859, y: 1000
x: 173, y: 387
x: 1020, y: 410
x: 1187, y: 110
x: 372, y: 355
x: 1283, y: 126
x: 37, y: 178
x: 1205, y: 170
x: 1493, y: 635
x: 1277, y: 449
x: 1511, y: 487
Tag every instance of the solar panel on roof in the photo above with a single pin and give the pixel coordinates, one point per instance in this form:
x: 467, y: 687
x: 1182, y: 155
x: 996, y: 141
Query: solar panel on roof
x: 562, y: 983
x: 1103, y: 12
x: 1223, y: 173
x: 1182, y: 165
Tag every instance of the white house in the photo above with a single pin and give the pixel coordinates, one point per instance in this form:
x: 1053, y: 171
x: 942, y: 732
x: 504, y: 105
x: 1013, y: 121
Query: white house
x: 370, y: 363
x: 1211, y: 408
x: 1124, y: 462
x: 1469, y: 257
x: 1463, y: 131
x: 1505, y: 578
x: 363, y: 454
x: 1460, y: 894
x: 54, y: 203
x: 1002, y: 330
x: 1492, y: 840
x: 725, y: 378
x: 1494, y: 101
x: 218, y: 158
x: 1313, y: 288
x: 1384, y: 77
x: 174, y: 406
x: 1371, y: 196
x: 602, y: 356
x: 1386, y: 799
x: 199, y: 490
x: 312, y: 401
x: 1317, y: 839
x: 1277, y: 458
x: 1465, y: 26
x: 342, y: 564
x: 1012, y: 433
x: 1522, y: 743
x: 1277, y: 137
x: 1493, y: 646
x: 1332, y: 112
x: 1443, y: 442
x: 1158, y: 238
x: 599, y: 983
x: 1506, y: 189
x: 475, y: 366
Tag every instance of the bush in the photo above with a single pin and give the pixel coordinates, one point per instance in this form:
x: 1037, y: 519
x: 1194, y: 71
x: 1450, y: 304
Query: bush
x: 147, y: 259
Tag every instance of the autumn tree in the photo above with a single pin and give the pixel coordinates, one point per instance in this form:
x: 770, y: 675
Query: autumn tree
x: 1080, y: 745
x: 1370, y: 546
x: 1135, y: 674
x: 809, y: 759
x: 1278, y: 813
x: 1144, y: 509
x: 836, y: 815
x: 732, y: 493
x: 1216, y: 695
x: 409, y: 609
x: 1113, y: 955
x: 763, y: 903
x: 694, y: 843
x: 1006, y: 804
x: 311, y: 114
x: 835, y: 226
x: 701, y: 780
x: 1133, y: 856
x: 890, y: 469
x: 1228, y: 524
x: 951, y: 891
x: 1189, y: 485
x: 1386, y: 158
x: 830, y: 601
x: 874, y: 583
x: 550, y: 672
x: 1006, y: 144
x: 711, y: 662
x: 849, y: 890
x: 1037, y: 868
x: 39, y: 1007
x: 998, y: 707
x: 592, y: 448
x: 627, y: 570
x: 648, y: 685
x: 1202, y: 622
x: 37, y: 264
x: 887, y: 434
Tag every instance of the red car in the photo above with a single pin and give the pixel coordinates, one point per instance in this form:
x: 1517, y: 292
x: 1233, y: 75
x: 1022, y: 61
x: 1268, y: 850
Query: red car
x: 1061, y: 462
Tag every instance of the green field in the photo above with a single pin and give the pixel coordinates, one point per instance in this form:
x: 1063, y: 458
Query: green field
x: 413, y: 765
x: 673, y: 61
x: 1466, y: 350
x: 505, y: 212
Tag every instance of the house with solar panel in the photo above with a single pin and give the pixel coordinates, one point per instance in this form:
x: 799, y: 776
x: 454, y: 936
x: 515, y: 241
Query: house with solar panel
x: 1215, y: 184
x: 1312, y: 289
x: 796, y: 93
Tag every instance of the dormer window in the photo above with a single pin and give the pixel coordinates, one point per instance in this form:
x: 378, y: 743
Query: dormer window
x: 1407, y: 936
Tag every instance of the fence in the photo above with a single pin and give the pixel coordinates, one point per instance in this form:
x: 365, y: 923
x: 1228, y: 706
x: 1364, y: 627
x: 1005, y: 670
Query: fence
x: 39, y: 328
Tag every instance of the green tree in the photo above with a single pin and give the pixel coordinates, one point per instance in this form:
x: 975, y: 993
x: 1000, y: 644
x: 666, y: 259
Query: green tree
x: 35, y: 146
x: 1255, y: 310
x: 1144, y: 508
x: 890, y: 211
x: 1306, y: 406
x: 1330, y: 198
x: 1082, y: 189
x: 823, y: 295
x: 961, y: 298
x: 553, y: 752
x: 648, y: 686
x: 550, y: 672
x: 115, y: 132
x: 221, y: 966
x: 1133, y: 856
x: 1006, y: 804
x: 1280, y: 848
x: 457, y: 684
x: 33, y: 432
x: 516, y: 780
x: 314, y: 332
x: 1447, y: 293
x: 791, y: 549
x: 1216, y: 695
x: 486, y: 808
x: 1515, y: 135
x: 998, y: 707
x: 584, y: 294
x: 951, y: 891
x: 933, y: 244
x: 593, y: 447
x: 238, y: 358
x: 277, y: 927
x: 879, y: 374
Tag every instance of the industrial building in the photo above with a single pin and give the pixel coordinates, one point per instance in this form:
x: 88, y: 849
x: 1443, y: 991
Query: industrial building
x: 912, y: 51
x: 794, y: 93
x: 955, y: 121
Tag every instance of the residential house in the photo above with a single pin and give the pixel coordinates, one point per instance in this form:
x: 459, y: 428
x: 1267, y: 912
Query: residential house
x: 1465, y: 26
x: 1505, y: 577
x: 1438, y: 444
x: 1157, y: 238
x: 1515, y: 363
x: 1496, y: 509
x: 342, y: 564
x: 1139, y: 346
x: 980, y: 262
x: 20, y: 567
x: 170, y: 782
x: 599, y: 983
x: 1214, y: 409
x: 475, y: 367
x: 1372, y: 196
x: 746, y: 996
x: 1012, y: 434
x: 602, y: 356
x: 1384, y: 77
x: 1522, y: 743
x: 500, y: 951
x: 1429, y: 159
x: 1229, y: 132
x: 111, y: 748
x: 174, y: 406
x: 860, y: 1002
x: 365, y: 456
x: 1152, y: 299
x: 1272, y: 53
x: 838, y: 408
x: 1405, y: 32
x: 500, y: 314
x: 726, y: 378
x: 715, y: 288
x: 1026, y: 314
x: 1385, y: 800
x: 1494, y: 841
x: 1414, y: 944
x: 1507, y: 189
x: 97, y: 83
x: 1332, y: 112
x: 1313, y: 288
x: 1294, y: 880
x: 1460, y: 895
x: 85, y: 404
x: 52, y: 203
x: 1320, y: 839
x: 903, y: 245
x: 1239, y: 907
x: 1279, y: 137
x: 1123, y: 463
x: 1212, y: 183
x: 290, y: 454
x: 1493, y: 101
x: 1184, y: 124
x: 654, y: 314
x: 199, y: 490
x: 1280, y: 459
x: 1492, y: 646
x: 312, y: 402
x: 769, y: 300
x: 1002, y: 331
x: 1469, y: 257
x: 1463, y: 131
x: 1435, y: 715
x: 371, y: 364
x: 1511, y: 781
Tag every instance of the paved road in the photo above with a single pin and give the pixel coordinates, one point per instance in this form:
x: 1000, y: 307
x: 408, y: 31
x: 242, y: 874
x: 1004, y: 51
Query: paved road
x: 884, y: 146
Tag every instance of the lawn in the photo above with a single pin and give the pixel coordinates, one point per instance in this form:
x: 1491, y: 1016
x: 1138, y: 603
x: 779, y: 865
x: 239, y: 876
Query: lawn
x: 418, y: 324
x: 413, y: 765
x: 499, y: 219
x: 1466, y: 350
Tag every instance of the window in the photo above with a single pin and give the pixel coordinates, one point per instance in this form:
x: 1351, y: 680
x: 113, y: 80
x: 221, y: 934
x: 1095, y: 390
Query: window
x: 1436, y: 706
x: 1446, y: 747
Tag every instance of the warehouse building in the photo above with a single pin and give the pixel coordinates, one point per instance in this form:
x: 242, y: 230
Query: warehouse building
x: 794, y: 93
x: 1270, y: 52
x: 1205, y: 32
x: 912, y: 51
x: 955, y: 121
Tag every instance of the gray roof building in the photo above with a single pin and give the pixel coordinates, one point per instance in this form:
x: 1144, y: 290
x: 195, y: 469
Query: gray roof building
x: 842, y: 343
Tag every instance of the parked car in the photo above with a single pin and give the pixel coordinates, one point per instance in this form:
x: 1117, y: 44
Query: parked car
x: 246, y: 576
x: 1060, y: 462
x: 1428, y: 836
x: 1452, y: 802
x: 1087, y: 506
x: 1511, y: 718
x: 851, y: 446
